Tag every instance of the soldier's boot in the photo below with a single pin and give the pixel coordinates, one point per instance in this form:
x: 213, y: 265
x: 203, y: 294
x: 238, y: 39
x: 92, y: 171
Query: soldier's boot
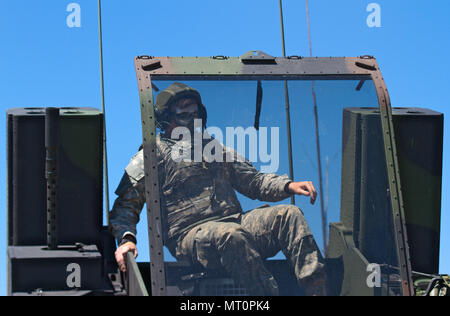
x: 303, y: 253
x: 315, y: 285
x: 266, y: 287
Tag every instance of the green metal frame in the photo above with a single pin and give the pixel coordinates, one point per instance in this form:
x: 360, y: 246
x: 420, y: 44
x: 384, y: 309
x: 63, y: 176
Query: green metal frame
x: 135, y: 285
x: 258, y: 65
x: 157, y: 269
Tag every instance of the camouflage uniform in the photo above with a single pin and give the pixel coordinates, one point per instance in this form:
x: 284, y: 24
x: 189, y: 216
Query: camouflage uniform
x: 204, y: 222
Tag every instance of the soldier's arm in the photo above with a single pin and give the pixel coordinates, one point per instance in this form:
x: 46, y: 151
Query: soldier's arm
x: 250, y: 182
x: 125, y: 213
x: 124, y: 217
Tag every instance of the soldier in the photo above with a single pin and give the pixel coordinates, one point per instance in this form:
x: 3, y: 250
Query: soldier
x: 204, y: 222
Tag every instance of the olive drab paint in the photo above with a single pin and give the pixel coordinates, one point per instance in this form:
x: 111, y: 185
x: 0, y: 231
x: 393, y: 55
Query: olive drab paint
x: 419, y: 134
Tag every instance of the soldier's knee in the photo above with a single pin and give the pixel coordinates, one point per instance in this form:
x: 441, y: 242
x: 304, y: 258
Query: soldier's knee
x: 235, y: 235
x: 291, y: 211
x: 233, y: 231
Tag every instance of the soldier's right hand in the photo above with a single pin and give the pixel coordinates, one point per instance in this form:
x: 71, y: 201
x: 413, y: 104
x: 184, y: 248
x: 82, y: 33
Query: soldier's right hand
x: 121, y: 254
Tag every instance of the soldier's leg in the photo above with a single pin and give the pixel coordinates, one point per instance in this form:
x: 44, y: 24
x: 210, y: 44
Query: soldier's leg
x: 228, y: 245
x: 284, y: 227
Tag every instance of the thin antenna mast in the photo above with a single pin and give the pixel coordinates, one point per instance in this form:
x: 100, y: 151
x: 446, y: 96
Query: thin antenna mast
x: 105, y: 155
x: 288, y: 113
x: 319, y: 160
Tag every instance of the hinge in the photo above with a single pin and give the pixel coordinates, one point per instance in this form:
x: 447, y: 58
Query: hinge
x: 296, y: 57
x: 144, y: 57
x: 220, y: 57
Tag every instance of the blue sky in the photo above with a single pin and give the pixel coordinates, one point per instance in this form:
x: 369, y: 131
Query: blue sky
x: 43, y: 62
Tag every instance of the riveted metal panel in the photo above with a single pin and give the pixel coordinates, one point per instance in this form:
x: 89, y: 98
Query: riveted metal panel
x: 155, y: 233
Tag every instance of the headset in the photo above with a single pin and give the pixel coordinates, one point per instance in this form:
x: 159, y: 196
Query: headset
x: 163, y: 117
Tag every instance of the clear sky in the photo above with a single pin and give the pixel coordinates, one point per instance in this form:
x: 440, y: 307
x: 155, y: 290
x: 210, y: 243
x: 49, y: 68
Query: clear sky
x: 43, y: 62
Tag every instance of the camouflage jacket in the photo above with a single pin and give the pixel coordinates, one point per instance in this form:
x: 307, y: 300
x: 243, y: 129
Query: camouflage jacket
x: 191, y: 192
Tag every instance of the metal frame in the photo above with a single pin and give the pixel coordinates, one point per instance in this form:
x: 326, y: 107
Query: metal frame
x: 253, y: 65
x: 135, y: 285
x: 157, y: 269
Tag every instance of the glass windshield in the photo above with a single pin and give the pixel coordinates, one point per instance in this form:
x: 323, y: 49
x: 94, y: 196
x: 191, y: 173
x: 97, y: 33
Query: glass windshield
x: 230, y: 226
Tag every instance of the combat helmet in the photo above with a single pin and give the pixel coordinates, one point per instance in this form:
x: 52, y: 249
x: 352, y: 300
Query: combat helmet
x: 172, y: 94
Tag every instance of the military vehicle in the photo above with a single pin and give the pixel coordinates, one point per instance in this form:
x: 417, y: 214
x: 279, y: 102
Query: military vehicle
x: 378, y: 169
x: 385, y: 240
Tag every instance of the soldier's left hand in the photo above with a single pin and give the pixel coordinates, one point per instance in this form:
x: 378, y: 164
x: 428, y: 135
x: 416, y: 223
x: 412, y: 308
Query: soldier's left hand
x: 304, y: 188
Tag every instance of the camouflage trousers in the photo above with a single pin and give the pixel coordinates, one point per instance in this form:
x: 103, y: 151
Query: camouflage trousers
x: 241, y: 246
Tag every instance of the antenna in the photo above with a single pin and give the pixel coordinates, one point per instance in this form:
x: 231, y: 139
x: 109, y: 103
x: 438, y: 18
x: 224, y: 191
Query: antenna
x: 288, y: 113
x: 323, y: 211
x: 105, y: 155
x: 316, y: 119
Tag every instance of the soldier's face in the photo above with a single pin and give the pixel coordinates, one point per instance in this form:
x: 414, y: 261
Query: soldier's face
x: 184, y: 112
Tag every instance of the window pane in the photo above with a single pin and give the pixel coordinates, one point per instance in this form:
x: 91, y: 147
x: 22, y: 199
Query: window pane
x: 226, y: 217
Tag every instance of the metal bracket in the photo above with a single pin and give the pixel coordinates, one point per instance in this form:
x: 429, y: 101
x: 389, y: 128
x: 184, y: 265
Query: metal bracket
x: 366, y: 65
x: 151, y: 64
x: 257, y: 57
